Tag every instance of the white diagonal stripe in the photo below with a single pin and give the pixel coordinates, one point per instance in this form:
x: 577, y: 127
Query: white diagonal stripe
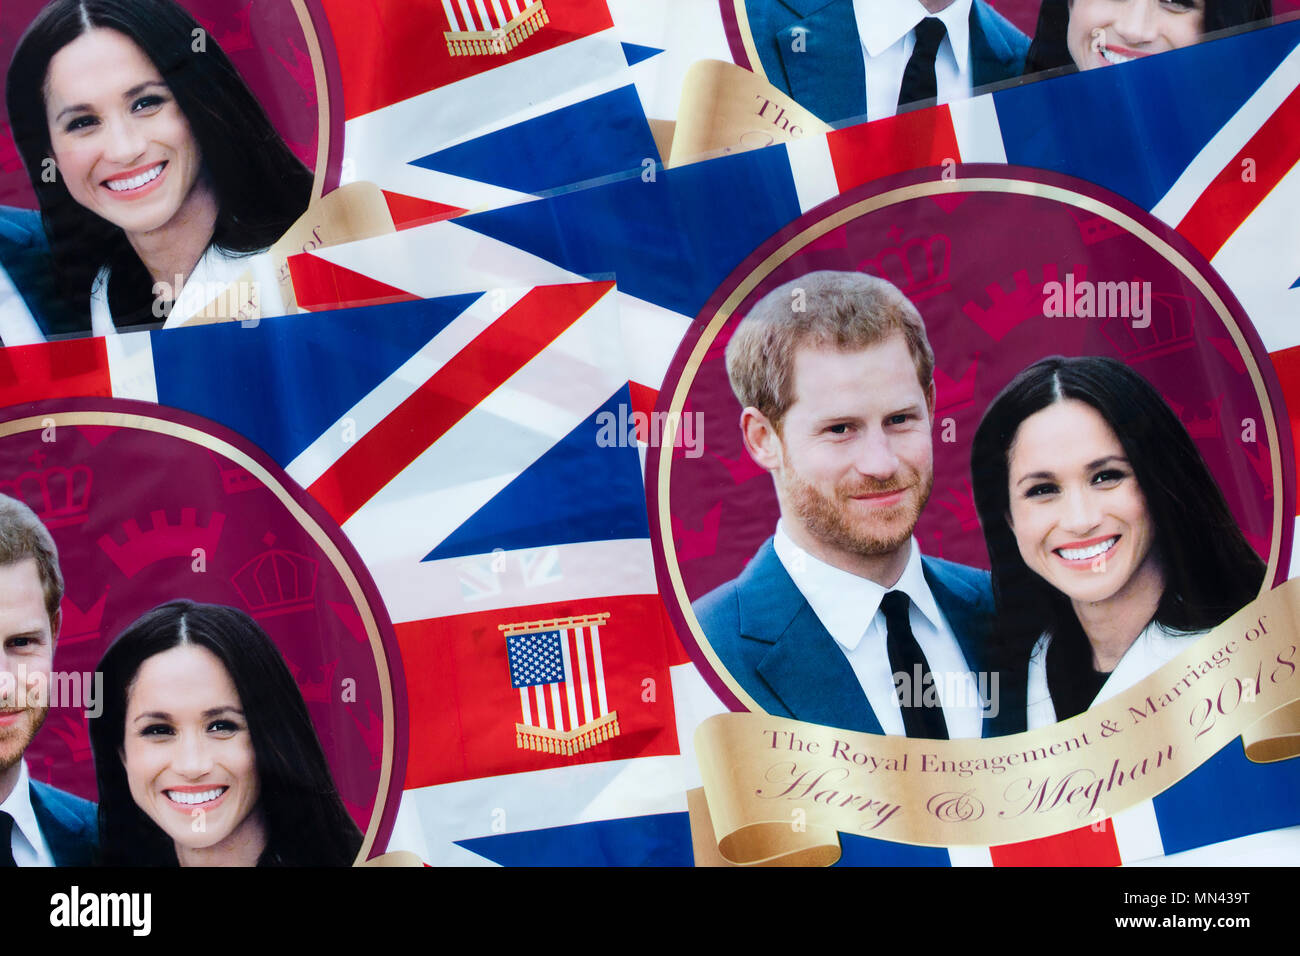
x: 1228, y: 141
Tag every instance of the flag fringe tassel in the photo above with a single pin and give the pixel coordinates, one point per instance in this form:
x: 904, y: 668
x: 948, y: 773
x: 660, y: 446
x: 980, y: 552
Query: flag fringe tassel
x: 501, y: 40
x: 567, y: 742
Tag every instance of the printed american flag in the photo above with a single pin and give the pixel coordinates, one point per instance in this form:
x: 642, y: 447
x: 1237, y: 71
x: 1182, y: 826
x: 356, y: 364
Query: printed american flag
x: 560, y: 676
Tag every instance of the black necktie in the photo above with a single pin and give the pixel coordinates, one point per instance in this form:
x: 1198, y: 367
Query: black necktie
x: 6, y: 841
x: 918, y: 79
x: 904, y: 656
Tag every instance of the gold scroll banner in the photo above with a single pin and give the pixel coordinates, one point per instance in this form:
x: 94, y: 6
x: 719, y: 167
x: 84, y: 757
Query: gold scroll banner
x: 727, y: 109
x: 351, y: 212
x: 397, y: 858
x: 776, y: 787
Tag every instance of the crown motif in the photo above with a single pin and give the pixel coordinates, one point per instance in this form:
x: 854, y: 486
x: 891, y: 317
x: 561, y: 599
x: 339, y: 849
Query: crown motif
x: 277, y: 582
x: 934, y: 545
x: 239, y: 36
x: 233, y: 478
x: 694, y: 543
x: 143, y: 548
x: 59, y: 496
x: 919, y: 267
x: 952, y: 394
x: 496, y: 32
x: 1007, y: 309
x: 962, y: 506
x: 1168, y: 329
x: 371, y: 731
x: 1231, y: 354
x: 76, y: 735
x: 315, y: 692
x: 1198, y: 425
x: 1262, y: 465
x: 1095, y: 229
x: 78, y: 625
x: 740, y: 469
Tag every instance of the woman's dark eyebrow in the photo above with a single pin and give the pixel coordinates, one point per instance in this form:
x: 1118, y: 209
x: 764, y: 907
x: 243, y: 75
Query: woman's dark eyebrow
x: 1101, y: 461
x: 1035, y: 475
x: 215, y: 711
x: 141, y: 87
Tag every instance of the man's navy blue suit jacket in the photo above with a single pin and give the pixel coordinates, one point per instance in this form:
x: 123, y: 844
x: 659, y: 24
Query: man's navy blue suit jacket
x: 773, y: 644
x: 825, y: 71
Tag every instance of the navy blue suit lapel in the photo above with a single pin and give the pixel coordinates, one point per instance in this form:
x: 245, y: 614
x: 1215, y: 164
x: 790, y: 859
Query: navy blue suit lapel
x: 828, y: 76
x: 805, y: 668
x: 69, y: 838
x: 992, y: 57
x: 961, y: 607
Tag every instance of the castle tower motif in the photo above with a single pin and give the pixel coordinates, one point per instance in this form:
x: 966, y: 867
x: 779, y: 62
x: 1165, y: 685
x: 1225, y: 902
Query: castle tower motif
x: 59, y: 496
x: 488, y: 27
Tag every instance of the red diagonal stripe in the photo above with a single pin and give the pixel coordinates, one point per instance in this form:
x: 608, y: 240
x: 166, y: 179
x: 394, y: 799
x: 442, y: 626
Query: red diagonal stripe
x: 1227, y: 201
x: 410, y: 211
x: 913, y: 140
x: 320, y: 284
x: 1082, y: 847
x: 1287, y: 363
x: 497, y: 353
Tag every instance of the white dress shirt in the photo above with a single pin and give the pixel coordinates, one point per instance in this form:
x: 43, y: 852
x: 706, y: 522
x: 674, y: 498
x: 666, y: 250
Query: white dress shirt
x: 848, y: 607
x: 213, y: 272
x: 1152, y: 649
x: 888, y: 32
x: 27, y: 841
x: 17, y: 327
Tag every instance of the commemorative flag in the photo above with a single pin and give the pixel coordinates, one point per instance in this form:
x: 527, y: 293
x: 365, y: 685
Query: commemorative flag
x: 1215, y: 157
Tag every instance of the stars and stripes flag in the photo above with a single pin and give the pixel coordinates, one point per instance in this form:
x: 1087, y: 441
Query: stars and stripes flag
x: 557, y: 668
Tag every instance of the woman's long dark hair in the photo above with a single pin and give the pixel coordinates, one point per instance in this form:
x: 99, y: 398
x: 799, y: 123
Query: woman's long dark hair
x: 260, y: 186
x: 306, y: 822
x: 1049, y: 51
x: 1210, y: 569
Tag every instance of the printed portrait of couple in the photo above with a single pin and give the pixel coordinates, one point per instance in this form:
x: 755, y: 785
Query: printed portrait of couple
x: 153, y: 174
x: 853, y: 60
x: 1108, y: 546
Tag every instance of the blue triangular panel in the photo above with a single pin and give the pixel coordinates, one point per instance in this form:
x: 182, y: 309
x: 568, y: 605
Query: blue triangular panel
x: 603, y: 135
x: 1157, y: 113
x: 671, y: 240
x: 308, y: 369
x: 1296, y: 284
x: 1228, y: 796
x: 662, y: 839
x: 636, y: 53
x: 577, y: 491
x: 862, y: 851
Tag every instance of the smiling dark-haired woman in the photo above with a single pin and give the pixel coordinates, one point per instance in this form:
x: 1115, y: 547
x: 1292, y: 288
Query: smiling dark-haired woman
x: 164, y: 163
x: 203, y: 724
x: 1110, y: 544
x: 1087, y: 34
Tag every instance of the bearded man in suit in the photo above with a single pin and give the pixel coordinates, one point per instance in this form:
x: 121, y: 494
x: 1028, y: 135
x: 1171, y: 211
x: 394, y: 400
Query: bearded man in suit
x: 839, y: 619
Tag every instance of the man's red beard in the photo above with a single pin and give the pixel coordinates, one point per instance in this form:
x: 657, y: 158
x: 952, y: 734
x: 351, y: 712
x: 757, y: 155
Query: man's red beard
x: 15, y: 740
x: 827, y: 516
